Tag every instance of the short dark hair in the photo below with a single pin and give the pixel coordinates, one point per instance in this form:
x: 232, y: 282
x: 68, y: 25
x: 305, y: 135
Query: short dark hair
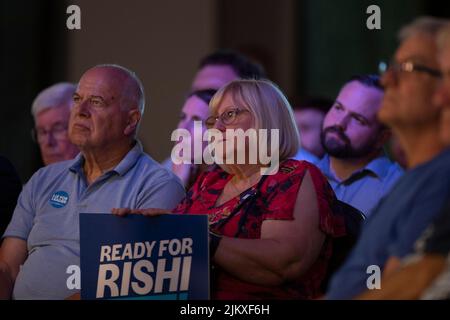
x: 369, y: 80
x: 318, y: 103
x: 242, y: 65
x: 205, y: 95
x: 372, y: 81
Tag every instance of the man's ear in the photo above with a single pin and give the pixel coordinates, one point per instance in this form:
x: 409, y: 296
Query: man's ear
x: 134, y: 116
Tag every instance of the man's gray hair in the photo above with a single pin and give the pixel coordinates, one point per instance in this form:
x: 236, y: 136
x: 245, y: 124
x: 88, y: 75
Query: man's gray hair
x: 57, y: 95
x: 424, y: 25
x: 133, y: 77
x: 443, y: 39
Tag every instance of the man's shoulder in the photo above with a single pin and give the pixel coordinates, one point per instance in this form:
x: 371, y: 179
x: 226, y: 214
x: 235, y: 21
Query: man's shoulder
x: 436, y: 170
x: 304, y: 154
x: 441, y: 161
x: 150, y: 168
x: 324, y: 166
x: 167, y: 163
x: 427, y: 184
x: 395, y: 171
x: 52, y: 170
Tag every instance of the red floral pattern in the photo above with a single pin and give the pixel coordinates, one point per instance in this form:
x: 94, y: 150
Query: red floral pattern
x: 275, y: 199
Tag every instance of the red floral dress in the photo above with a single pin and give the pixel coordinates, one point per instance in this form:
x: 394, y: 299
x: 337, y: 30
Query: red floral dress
x: 273, y: 198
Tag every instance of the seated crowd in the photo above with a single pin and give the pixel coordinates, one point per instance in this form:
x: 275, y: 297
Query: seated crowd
x: 276, y: 228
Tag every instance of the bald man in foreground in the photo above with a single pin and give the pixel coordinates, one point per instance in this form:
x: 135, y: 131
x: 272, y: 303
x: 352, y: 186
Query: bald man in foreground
x: 112, y: 171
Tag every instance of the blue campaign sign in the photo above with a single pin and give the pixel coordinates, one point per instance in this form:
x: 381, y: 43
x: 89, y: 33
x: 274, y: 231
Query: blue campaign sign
x: 137, y: 257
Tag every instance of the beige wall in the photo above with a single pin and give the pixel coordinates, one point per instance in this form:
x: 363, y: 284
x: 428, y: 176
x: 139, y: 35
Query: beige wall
x: 265, y: 30
x: 161, y: 40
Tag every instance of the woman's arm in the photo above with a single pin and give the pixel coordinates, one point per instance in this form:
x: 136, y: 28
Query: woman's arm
x: 286, y: 249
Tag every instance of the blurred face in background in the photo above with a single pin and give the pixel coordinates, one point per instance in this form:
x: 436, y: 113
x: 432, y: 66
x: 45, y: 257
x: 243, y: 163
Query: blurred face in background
x: 408, y: 95
x: 309, y: 122
x: 194, y: 109
x: 213, y: 77
x: 351, y: 128
x: 51, y: 134
x: 442, y: 95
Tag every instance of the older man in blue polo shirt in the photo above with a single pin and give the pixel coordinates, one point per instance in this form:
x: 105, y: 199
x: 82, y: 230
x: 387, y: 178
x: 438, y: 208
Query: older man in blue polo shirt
x: 355, y: 164
x: 418, y: 197
x: 425, y: 274
x: 42, y: 240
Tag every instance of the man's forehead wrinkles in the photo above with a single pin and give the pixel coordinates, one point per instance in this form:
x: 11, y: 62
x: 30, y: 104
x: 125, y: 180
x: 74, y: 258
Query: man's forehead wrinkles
x: 418, y: 49
x: 365, y: 108
x: 95, y: 88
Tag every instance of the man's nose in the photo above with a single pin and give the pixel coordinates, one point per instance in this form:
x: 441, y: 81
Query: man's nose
x: 342, y: 122
x: 388, y: 78
x: 82, y: 109
x: 49, y: 139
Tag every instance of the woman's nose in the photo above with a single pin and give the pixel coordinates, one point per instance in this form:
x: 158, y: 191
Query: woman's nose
x: 219, y: 125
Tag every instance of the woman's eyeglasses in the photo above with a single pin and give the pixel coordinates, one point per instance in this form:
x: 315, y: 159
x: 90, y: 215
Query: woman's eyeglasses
x: 227, y: 118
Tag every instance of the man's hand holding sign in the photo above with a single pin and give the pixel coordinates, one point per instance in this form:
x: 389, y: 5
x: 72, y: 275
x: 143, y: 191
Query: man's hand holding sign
x: 164, y: 257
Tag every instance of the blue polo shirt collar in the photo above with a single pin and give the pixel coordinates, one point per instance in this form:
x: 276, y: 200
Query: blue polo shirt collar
x: 378, y: 166
x: 121, y: 169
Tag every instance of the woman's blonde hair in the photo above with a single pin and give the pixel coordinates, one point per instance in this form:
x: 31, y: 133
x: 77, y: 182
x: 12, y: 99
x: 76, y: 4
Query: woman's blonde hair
x: 269, y: 107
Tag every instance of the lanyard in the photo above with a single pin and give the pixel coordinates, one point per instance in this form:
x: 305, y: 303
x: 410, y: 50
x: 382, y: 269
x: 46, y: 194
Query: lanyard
x: 248, y: 200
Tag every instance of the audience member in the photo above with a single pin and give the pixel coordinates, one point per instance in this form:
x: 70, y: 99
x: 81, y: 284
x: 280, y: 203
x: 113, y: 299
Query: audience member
x: 42, y: 240
x: 51, y: 111
x: 269, y: 234
x: 309, y: 117
x: 355, y: 163
x: 417, y: 198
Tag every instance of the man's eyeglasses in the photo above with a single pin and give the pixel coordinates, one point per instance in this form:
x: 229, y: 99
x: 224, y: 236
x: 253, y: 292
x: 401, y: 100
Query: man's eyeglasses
x: 407, y: 66
x: 58, y: 131
x: 228, y: 117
